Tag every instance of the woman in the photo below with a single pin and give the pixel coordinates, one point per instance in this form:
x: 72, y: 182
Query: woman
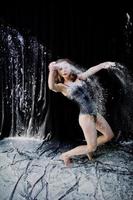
x: 64, y: 77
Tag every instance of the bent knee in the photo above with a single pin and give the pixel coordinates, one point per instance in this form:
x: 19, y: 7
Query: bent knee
x: 91, y: 147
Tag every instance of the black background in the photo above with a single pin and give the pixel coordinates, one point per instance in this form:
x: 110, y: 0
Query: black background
x: 85, y: 33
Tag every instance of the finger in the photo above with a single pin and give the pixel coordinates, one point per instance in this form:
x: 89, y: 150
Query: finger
x: 52, y: 63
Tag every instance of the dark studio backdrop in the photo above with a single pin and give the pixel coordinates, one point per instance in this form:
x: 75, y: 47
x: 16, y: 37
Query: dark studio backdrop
x: 85, y: 34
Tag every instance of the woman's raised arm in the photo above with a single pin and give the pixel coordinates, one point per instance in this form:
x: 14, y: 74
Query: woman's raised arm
x: 53, y: 72
x: 95, y: 69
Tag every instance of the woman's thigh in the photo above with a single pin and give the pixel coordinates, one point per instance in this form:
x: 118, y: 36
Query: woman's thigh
x: 103, y: 126
x: 88, y: 126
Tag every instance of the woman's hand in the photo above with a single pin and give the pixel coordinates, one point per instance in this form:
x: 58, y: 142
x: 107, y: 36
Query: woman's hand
x: 52, y: 66
x: 107, y: 65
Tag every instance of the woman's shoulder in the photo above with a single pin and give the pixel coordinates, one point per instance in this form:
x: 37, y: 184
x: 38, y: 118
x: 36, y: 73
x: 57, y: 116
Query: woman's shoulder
x: 61, y: 85
x: 80, y: 82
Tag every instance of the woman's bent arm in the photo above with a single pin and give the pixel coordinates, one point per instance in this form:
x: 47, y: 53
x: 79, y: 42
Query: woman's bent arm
x: 54, y: 86
x: 51, y: 79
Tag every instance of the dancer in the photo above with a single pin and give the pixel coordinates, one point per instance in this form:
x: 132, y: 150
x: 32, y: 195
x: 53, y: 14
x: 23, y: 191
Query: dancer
x: 66, y: 78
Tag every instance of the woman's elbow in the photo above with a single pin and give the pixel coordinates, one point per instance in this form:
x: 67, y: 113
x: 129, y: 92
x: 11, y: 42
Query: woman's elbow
x: 52, y: 88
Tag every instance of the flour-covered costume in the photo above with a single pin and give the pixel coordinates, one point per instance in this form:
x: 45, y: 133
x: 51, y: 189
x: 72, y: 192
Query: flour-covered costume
x: 79, y: 93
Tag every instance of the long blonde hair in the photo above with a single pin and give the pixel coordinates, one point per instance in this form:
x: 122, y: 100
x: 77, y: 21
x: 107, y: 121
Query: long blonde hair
x: 73, y: 74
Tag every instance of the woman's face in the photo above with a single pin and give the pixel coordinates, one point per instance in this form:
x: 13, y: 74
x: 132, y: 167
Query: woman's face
x: 64, y: 69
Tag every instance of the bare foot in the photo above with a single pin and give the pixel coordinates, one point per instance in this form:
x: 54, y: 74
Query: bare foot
x: 90, y: 156
x: 66, y: 159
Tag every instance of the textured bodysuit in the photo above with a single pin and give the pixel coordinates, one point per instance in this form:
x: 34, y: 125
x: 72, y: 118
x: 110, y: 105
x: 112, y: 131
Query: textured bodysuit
x: 80, y: 94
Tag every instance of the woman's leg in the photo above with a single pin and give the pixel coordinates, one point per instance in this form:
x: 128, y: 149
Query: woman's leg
x: 103, y: 127
x: 89, y: 129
